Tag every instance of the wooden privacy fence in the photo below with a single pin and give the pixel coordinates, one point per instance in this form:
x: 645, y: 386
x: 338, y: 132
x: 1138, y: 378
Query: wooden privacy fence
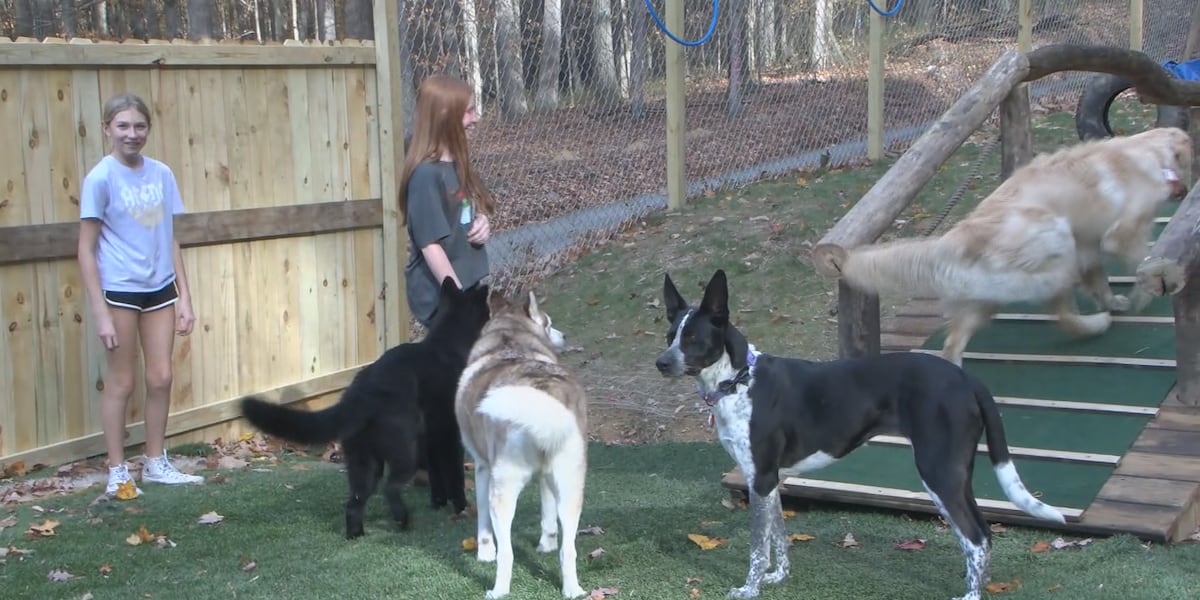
x: 286, y: 158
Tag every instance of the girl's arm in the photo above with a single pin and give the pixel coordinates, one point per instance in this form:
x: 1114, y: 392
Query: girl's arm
x: 89, y: 271
x: 439, y: 263
x: 184, y: 317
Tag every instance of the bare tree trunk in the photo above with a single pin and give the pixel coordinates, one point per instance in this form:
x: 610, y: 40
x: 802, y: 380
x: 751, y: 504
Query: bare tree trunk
x: 408, y: 87
x: 137, y: 20
x: 173, y: 18
x: 326, y: 21
x: 302, y: 19
x: 69, y: 15
x: 604, y: 75
x: 359, y: 21
x: 451, y: 44
x: 737, y: 58
x: 470, y: 21
x: 546, y: 99
x: 825, y: 50
x: 637, y: 67
x: 100, y: 18
x: 119, y: 20
x: 768, y: 44
x: 23, y: 20
x: 43, y: 18
x: 508, y: 59
x: 200, y: 19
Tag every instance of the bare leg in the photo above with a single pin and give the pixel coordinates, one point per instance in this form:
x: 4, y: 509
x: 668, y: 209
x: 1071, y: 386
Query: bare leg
x: 121, y: 363
x: 157, y: 329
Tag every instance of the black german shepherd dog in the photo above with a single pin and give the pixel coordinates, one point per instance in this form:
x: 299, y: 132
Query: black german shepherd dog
x: 405, y: 396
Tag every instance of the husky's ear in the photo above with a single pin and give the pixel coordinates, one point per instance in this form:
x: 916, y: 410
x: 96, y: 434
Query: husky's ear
x: 531, y: 306
x: 716, y: 299
x: 497, y: 302
x: 672, y: 299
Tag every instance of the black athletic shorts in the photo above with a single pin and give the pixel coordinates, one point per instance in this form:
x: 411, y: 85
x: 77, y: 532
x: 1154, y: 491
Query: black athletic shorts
x: 143, y: 301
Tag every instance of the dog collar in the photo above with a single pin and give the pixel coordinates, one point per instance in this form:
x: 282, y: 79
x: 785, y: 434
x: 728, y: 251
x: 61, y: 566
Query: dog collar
x: 728, y: 386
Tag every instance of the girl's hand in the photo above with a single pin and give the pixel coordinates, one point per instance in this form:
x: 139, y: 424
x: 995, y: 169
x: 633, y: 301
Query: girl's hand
x: 105, y: 330
x: 184, y: 318
x: 480, y: 230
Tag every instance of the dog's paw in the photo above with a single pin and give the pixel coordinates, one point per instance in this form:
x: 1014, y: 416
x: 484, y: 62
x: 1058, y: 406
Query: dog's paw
x: 744, y: 592
x: 776, y: 576
x: 1120, y: 303
x: 494, y: 594
x: 573, y: 591
x: 548, y: 543
x: 354, y: 534
x: 486, y: 553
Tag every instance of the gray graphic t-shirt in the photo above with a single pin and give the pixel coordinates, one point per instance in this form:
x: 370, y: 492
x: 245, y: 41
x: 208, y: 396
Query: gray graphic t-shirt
x: 136, y: 208
x: 436, y: 214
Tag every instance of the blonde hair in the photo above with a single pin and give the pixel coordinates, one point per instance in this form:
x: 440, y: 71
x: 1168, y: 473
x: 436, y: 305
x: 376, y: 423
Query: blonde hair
x: 437, y: 127
x: 122, y: 102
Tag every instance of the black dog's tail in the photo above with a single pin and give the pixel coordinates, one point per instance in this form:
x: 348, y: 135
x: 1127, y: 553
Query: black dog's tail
x: 1006, y: 472
x: 303, y: 426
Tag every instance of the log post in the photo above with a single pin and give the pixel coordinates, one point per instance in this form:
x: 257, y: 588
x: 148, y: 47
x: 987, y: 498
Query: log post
x: 1173, y: 267
x: 858, y: 322
x: 1153, y: 83
x: 878, y: 208
x: 1016, y: 131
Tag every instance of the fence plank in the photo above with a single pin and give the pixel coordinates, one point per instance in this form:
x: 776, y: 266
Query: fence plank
x: 182, y: 54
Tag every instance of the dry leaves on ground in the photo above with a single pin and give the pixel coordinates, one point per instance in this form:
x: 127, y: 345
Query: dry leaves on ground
x: 593, y: 530
x: 801, y: 537
x: 248, y: 564
x: 469, y: 544
x: 917, y: 544
x: 59, y: 576
x: 848, y: 541
x: 210, y: 518
x: 143, y: 536
x: 1001, y: 587
x: 1058, y: 544
x: 41, y: 530
x: 597, y: 553
x: 705, y: 542
x: 6, y: 522
x: 18, y: 553
x: 127, y: 490
x: 602, y: 593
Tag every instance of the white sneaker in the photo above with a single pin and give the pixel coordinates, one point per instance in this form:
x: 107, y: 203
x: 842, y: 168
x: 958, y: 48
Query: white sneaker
x: 160, y: 470
x: 116, y: 476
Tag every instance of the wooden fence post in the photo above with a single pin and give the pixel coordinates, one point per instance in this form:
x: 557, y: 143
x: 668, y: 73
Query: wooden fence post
x: 391, y: 155
x: 676, y: 108
x: 858, y: 322
x: 875, y: 77
x: 1016, y: 130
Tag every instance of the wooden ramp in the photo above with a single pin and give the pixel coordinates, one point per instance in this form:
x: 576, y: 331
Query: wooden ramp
x: 1095, y: 426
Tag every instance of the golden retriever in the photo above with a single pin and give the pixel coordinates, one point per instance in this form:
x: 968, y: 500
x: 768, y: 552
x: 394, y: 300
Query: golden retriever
x: 1041, y: 233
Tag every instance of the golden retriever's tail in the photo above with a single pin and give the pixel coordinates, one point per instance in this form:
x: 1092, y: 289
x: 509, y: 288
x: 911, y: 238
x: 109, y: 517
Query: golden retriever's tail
x: 940, y: 268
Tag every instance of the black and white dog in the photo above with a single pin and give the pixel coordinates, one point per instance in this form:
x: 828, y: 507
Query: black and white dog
x: 775, y: 413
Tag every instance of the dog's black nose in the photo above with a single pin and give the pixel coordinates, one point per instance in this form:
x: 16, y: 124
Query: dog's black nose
x: 663, y: 363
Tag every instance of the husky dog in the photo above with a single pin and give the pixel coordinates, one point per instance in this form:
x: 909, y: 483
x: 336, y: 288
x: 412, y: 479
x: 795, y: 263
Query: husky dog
x: 407, y: 394
x: 774, y: 413
x: 522, y: 414
x: 1041, y: 233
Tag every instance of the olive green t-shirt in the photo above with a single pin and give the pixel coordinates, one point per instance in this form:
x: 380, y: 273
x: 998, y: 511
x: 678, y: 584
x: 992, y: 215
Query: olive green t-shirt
x: 435, y: 214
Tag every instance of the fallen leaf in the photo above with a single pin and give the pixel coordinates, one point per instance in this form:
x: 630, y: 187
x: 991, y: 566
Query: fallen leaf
x: 998, y: 587
x: 14, y: 469
x: 1061, y: 544
x: 787, y: 514
x: 216, y: 479
x: 998, y: 528
x: 731, y: 505
x: 602, y: 593
x: 19, y: 553
x: 87, y: 596
x: 59, y: 576
x: 45, y: 529
x: 247, y: 436
x: 692, y: 580
x: 597, y: 553
x: 917, y: 544
x: 1054, y: 588
x: 1040, y: 546
x: 127, y: 490
x: 469, y: 544
x: 593, y: 530
x: 106, y: 569
x: 801, y: 537
x: 848, y: 541
x: 133, y: 539
x: 210, y: 518
x: 248, y: 564
x: 705, y: 542
x: 694, y: 593
x: 6, y: 522
x: 231, y: 463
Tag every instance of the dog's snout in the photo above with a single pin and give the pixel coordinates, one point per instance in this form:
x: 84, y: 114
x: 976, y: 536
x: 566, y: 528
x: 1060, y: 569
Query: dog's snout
x: 663, y: 363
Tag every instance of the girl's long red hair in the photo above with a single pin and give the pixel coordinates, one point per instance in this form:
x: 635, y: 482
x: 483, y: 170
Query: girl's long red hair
x: 437, y: 128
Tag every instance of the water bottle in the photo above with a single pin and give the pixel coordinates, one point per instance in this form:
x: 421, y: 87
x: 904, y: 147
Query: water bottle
x: 464, y: 216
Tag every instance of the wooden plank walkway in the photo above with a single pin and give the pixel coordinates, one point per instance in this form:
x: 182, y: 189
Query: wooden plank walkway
x: 1153, y: 492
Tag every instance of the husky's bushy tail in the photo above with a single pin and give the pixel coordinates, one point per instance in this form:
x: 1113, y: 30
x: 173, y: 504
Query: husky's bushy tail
x: 1006, y: 473
x: 541, y: 416
x: 304, y: 426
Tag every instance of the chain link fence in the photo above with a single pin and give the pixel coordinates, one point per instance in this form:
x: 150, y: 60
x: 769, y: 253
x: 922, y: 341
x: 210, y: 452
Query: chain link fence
x: 573, y: 138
